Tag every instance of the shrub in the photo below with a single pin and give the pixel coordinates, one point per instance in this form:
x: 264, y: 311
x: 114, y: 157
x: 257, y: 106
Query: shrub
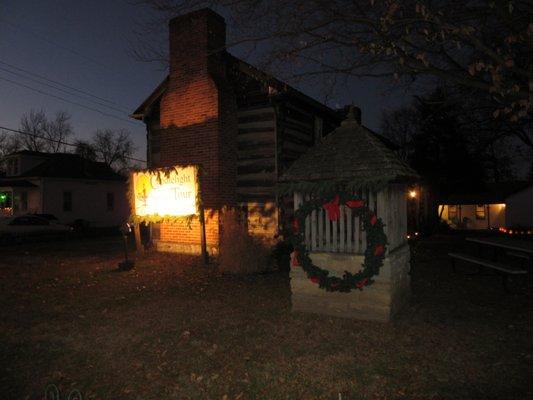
x: 241, y: 253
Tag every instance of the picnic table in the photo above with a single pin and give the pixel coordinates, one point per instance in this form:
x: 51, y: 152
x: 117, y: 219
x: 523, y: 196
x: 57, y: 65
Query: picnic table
x: 514, y: 247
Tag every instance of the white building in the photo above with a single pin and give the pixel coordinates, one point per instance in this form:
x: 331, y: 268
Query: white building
x: 519, y: 208
x: 65, y: 185
x: 504, y: 205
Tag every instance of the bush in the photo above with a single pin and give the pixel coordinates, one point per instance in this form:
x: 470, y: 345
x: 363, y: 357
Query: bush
x: 281, y: 254
x: 240, y: 253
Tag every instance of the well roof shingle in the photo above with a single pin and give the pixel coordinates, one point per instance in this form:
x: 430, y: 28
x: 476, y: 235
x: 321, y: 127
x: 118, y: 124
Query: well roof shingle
x: 350, y: 153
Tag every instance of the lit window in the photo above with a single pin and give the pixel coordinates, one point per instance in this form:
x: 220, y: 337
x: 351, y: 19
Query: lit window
x: 480, y: 211
x: 452, y: 212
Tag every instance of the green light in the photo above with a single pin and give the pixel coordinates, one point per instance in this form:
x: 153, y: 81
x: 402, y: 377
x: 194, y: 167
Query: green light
x: 3, y: 197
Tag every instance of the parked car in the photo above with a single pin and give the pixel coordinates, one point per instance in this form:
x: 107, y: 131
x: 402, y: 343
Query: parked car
x: 24, y: 226
x: 49, y: 217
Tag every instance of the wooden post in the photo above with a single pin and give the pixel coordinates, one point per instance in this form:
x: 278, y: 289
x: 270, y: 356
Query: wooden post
x: 201, y: 217
x: 138, y: 243
x: 203, y: 242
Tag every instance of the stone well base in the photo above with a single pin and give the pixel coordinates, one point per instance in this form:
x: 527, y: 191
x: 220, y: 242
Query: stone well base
x: 379, y: 301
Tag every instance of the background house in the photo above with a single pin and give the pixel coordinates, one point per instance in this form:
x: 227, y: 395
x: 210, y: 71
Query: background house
x: 65, y: 185
x: 498, y: 205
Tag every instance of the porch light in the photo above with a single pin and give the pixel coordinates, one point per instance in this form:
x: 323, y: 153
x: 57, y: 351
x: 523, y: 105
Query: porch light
x: 412, y: 194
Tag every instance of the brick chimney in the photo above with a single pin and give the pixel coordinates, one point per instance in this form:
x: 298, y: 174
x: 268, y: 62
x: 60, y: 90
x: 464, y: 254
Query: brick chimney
x: 198, y: 112
x: 194, y: 39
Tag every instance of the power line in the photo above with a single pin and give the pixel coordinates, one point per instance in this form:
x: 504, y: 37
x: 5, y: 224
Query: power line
x: 69, y: 101
x: 60, y: 142
x: 62, y: 90
x: 59, y: 83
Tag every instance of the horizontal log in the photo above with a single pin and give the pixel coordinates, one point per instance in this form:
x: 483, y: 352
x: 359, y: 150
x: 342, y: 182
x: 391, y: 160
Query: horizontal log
x: 266, y: 160
x: 261, y: 144
x: 257, y: 124
x: 290, y: 155
x: 297, y: 136
x: 292, y: 109
x: 241, y: 113
x: 264, y: 190
x: 255, y: 152
x: 297, y: 126
x: 297, y: 148
x: 256, y: 168
x: 256, y: 136
x: 245, y: 131
x: 266, y: 176
x: 256, y: 117
x: 256, y: 183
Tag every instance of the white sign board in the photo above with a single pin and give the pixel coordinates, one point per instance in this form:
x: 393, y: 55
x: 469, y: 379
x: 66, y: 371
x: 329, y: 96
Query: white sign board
x: 170, y: 193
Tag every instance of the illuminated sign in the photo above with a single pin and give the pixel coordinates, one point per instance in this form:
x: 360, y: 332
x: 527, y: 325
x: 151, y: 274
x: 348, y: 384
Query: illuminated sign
x: 166, y: 193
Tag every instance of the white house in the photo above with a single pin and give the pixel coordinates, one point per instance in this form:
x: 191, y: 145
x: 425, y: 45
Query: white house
x: 65, y: 185
x: 506, y: 205
x: 519, y: 208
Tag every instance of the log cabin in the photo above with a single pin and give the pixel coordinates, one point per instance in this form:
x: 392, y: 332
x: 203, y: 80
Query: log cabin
x: 243, y: 126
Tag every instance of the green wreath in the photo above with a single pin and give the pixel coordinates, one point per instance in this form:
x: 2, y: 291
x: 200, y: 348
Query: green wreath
x: 376, y: 240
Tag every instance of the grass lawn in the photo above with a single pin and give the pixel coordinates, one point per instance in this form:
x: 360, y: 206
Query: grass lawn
x: 171, y: 329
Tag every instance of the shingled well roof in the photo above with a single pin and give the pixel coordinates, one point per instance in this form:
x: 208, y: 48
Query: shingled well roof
x: 350, y: 153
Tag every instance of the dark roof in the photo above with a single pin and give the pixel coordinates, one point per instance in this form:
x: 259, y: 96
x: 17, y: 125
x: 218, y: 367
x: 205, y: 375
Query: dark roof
x: 29, y: 153
x: 249, y: 70
x: 66, y: 165
x: 16, y: 183
x: 350, y: 153
x: 492, y: 193
x: 143, y: 109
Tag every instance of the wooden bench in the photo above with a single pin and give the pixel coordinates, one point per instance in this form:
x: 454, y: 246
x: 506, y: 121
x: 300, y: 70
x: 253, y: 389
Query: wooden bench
x: 503, y: 269
x: 517, y: 254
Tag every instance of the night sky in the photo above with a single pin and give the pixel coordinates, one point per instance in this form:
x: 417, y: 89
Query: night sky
x: 87, y: 45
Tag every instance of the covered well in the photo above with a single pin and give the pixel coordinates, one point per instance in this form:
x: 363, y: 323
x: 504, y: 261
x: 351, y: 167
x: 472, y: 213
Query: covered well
x: 355, y: 160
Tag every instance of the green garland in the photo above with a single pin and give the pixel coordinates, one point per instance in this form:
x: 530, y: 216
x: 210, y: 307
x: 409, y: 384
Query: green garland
x: 374, y: 254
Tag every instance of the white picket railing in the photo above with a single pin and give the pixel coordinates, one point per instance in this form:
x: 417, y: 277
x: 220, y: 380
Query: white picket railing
x: 346, y: 234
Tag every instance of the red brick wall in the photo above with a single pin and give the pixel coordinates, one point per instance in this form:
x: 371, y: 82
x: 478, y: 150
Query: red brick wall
x: 198, y: 119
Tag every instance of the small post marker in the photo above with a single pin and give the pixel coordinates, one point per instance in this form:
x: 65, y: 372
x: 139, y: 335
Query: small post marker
x: 138, y: 241
x: 127, y: 264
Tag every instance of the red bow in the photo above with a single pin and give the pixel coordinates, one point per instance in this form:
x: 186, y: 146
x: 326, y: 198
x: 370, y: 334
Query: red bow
x: 355, y: 203
x: 294, y: 259
x: 373, y: 219
x: 295, y: 225
x: 379, y: 249
x: 333, y: 209
x: 361, y: 283
x: 315, y: 279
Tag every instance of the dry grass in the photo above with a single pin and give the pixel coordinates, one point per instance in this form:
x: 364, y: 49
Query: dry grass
x: 171, y: 329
